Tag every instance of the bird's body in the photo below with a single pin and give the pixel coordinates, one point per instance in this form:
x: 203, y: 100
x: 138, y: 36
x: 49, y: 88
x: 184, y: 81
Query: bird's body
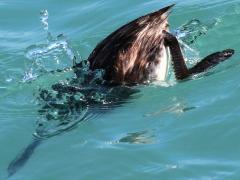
x: 136, y: 52
x: 142, y: 50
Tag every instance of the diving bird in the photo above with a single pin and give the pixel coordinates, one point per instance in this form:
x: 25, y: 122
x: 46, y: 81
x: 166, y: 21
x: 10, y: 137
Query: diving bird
x: 140, y: 51
x: 143, y: 49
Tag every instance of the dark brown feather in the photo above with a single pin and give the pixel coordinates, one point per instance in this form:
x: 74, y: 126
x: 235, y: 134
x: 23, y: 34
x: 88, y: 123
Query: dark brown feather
x: 126, y: 54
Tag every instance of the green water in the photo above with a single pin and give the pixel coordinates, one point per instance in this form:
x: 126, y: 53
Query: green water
x: 186, y: 130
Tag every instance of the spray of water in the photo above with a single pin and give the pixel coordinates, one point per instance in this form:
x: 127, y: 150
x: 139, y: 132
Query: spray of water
x: 43, y: 58
x: 44, y: 19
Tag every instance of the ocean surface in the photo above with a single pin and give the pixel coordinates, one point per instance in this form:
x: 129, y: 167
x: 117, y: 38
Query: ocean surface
x: 171, y: 130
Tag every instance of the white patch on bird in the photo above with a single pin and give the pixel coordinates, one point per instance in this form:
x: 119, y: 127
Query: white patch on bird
x: 160, y: 70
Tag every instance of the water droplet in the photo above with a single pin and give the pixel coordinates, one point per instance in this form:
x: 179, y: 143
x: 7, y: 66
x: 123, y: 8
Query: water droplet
x: 44, y: 19
x: 9, y: 80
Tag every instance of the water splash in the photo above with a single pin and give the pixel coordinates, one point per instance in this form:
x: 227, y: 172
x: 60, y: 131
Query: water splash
x: 55, y: 46
x: 29, y: 75
x: 66, y: 103
x: 53, y: 55
x: 192, y: 30
x: 188, y: 34
x: 44, y: 19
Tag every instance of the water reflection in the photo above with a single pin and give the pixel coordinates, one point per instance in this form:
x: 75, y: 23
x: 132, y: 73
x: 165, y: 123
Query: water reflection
x: 176, y: 107
x: 142, y: 137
